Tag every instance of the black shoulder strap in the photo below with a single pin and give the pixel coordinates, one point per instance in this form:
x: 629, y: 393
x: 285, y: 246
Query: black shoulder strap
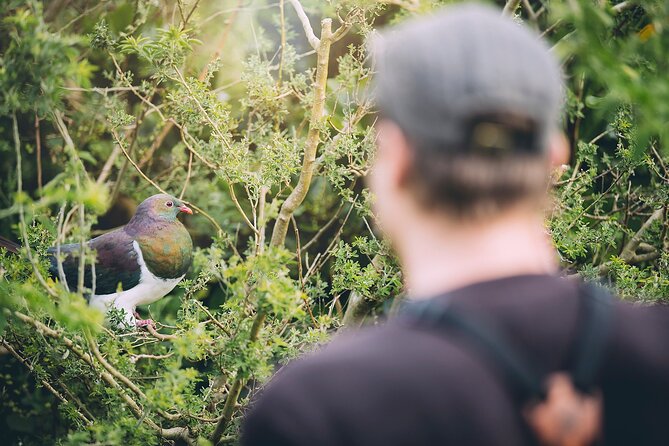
x: 589, y: 349
x: 487, y: 341
x: 592, y: 335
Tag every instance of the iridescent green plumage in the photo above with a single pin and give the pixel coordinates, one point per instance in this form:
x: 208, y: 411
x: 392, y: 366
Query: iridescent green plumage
x: 165, y: 243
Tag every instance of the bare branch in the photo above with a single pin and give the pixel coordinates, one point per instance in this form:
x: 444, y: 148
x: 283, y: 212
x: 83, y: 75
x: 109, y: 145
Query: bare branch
x: 629, y: 250
x: 298, y: 194
x: 211, y: 317
x: 308, y: 30
x: 162, y: 337
x: 510, y: 7
x: 620, y: 7
x: 109, y: 378
x: 628, y: 254
x: 233, y: 196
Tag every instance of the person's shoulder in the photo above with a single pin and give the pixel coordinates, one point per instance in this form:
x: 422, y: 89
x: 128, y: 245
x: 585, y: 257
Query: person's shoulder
x: 369, y: 360
x: 295, y: 406
x: 350, y: 352
x: 641, y: 332
x: 364, y: 375
x: 359, y: 351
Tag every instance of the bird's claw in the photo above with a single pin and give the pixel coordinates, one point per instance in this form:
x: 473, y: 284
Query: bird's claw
x: 145, y: 322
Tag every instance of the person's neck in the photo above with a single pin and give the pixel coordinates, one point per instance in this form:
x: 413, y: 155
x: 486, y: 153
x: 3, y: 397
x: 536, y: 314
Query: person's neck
x: 439, y: 256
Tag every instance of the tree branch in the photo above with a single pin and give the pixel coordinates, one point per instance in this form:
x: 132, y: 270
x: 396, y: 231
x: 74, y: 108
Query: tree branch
x: 620, y: 7
x: 109, y: 378
x: 298, y: 194
x: 628, y: 254
x: 233, y: 196
x: 358, y: 307
x: 510, y: 7
x: 629, y: 251
x: 45, y: 383
x: 231, y: 399
x: 308, y: 30
x: 160, y: 336
x: 154, y: 184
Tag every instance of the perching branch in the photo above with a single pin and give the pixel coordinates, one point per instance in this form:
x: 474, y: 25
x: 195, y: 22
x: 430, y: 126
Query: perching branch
x: 181, y: 433
x: 92, y: 344
x: 160, y: 336
x: 44, y: 382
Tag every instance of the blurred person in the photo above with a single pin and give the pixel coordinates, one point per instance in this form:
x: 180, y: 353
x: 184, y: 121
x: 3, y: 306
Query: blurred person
x: 494, y: 348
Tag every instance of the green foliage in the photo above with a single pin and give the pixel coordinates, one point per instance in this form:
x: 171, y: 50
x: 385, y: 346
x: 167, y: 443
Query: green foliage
x: 103, y: 103
x: 35, y: 63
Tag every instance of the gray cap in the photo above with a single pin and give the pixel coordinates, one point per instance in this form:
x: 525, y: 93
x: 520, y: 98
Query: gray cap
x: 438, y: 77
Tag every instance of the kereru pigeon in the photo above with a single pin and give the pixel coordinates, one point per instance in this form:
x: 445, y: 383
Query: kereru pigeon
x: 136, y: 264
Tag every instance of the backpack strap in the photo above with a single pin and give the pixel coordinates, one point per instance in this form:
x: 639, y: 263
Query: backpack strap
x: 589, y: 343
x: 486, y: 341
x: 592, y: 335
x: 562, y: 408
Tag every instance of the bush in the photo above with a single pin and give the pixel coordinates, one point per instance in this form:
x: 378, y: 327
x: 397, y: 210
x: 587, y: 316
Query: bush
x: 263, y: 125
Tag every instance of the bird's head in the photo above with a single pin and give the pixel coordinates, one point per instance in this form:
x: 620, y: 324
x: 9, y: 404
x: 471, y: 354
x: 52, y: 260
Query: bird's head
x: 162, y: 207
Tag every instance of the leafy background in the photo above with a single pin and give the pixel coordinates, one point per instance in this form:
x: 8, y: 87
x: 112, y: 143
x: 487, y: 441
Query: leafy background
x: 264, y: 126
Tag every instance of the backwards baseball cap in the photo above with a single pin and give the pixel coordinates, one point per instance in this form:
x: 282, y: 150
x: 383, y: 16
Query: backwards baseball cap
x: 468, y: 79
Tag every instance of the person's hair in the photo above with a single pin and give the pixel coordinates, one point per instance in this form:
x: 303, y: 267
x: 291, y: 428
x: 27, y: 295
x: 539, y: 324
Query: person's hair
x: 499, y: 164
x: 477, y: 186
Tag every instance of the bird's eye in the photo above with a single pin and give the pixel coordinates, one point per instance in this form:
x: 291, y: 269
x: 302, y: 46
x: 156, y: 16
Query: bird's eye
x: 169, y: 204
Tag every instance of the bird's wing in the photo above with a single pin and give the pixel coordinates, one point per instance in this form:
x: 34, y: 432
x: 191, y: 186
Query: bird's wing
x: 9, y: 245
x: 116, y: 263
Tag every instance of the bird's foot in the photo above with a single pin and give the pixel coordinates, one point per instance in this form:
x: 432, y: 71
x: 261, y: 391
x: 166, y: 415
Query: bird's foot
x: 145, y: 322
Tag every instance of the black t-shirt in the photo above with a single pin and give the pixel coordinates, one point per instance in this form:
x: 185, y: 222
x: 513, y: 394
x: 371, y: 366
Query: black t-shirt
x: 397, y: 384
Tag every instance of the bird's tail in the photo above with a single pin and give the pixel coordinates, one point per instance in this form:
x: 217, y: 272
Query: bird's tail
x: 9, y: 245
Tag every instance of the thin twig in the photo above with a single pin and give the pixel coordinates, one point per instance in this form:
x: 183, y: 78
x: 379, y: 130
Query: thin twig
x: 154, y: 184
x: 322, y: 229
x: 188, y: 173
x: 38, y: 154
x: 185, y: 22
x: 234, y: 199
x: 212, y: 318
x: 22, y: 222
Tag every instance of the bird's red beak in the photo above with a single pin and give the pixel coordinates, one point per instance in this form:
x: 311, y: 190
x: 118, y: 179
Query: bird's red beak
x: 186, y: 209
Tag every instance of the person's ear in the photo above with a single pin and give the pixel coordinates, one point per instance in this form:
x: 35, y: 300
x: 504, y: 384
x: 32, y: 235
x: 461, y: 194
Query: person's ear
x: 558, y: 150
x: 394, y: 152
